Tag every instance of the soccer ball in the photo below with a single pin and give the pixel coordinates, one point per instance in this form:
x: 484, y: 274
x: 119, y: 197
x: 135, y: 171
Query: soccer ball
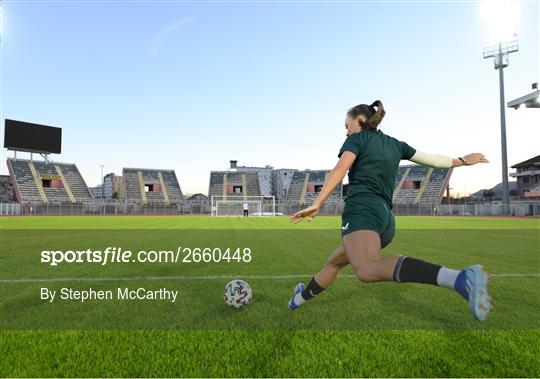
x: 237, y: 293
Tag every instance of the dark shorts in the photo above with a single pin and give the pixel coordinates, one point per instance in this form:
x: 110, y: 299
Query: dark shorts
x: 369, y: 213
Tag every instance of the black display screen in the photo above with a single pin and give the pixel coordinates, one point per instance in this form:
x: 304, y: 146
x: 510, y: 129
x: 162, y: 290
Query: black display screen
x: 25, y: 136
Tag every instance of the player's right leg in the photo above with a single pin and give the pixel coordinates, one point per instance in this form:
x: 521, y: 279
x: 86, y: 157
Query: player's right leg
x: 471, y: 283
x: 363, y: 251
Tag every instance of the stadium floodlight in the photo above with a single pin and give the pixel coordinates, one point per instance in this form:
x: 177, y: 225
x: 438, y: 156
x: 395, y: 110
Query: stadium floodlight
x: 500, y: 24
x: 531, y: 100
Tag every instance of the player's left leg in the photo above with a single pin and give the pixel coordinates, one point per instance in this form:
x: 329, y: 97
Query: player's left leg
x: 335, y: 262
x: 321, y: 280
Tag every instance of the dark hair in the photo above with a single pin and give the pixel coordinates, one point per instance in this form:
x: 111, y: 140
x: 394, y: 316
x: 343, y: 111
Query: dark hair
x: 373, y: 113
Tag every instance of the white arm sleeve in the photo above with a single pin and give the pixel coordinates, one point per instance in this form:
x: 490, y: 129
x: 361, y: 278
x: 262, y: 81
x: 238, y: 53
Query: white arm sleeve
x: 431, y: 160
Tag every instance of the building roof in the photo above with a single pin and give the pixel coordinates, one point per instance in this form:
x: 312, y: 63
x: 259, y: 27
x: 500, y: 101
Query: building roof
x: 528, y: 162
x: 198, y: 196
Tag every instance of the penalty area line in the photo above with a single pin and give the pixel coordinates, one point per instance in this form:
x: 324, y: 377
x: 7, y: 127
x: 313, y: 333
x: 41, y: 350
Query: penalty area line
x: 204, y: 277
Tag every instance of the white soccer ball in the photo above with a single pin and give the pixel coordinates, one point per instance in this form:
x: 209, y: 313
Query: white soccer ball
x: 237, y: 293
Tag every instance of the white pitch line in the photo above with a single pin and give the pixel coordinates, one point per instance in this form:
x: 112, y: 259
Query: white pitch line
x: 205, y: 277
x: 516, y: 274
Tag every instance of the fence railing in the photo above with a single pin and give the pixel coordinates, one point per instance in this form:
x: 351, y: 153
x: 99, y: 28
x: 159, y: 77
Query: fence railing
x: 9, y: 209
x: 286, y: 208
x: 514, y: 209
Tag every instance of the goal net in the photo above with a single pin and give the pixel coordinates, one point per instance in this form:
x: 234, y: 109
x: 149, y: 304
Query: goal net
x: 234, y: 205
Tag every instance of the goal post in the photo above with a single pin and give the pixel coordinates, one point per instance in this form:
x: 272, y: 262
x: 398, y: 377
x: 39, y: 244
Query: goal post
x: 234, y: 205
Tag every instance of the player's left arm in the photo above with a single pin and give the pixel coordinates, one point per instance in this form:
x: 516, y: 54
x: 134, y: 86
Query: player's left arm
x: 443, y: 161
x: 334, y: 178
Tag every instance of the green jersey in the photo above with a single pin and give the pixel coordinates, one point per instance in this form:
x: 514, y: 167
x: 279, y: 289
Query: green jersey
x: 374, y: 170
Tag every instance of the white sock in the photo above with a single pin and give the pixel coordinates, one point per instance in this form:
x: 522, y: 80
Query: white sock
x: 447, y: 277
x: 298, y: 299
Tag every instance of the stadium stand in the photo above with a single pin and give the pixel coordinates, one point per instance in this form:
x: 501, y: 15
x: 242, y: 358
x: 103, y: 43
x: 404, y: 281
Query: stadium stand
x: 265, y: 176
x: 47, y: 182
x: 414, y: 184
x: 417, y: 184
x: 151, y: 186
x: 224, y: 183
x: 306, y: 185
x: 6, y: 189
x: 435, y: 186
x: 297, y: 186
x: 534, y: 191
x: 281, y: 181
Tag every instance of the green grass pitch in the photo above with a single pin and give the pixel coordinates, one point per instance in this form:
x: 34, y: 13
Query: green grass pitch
x: 353, y: 329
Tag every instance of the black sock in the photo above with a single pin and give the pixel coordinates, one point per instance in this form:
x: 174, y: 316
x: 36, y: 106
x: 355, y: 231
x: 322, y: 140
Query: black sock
x: 312, y: 289
x: 415, y: 271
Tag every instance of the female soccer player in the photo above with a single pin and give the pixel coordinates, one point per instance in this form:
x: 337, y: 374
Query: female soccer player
x: 372, y: 159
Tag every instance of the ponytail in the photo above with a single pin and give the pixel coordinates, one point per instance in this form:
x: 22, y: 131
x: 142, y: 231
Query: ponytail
x: 373, y: 113
x: 378, y: 114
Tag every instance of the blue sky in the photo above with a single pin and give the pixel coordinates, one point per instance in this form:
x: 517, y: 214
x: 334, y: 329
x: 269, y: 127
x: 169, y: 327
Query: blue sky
x: 188, y: 86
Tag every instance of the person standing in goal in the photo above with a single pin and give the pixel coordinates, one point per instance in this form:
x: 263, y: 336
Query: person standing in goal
x: 372, y: 159
x: 246, y: 209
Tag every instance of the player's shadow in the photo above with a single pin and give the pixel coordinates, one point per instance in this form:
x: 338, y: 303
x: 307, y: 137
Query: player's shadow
x: 380, y: 306
x: 416, y: 306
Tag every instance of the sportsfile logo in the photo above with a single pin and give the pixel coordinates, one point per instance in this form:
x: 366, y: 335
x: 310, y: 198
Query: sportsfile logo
x: 119, y: 255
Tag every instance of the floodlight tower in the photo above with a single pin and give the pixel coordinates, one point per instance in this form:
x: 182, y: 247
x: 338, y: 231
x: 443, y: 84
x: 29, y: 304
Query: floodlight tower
x: 2, y: 63
x: 102, y: 181
x: 1, y: 23
x: 500, y: 24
